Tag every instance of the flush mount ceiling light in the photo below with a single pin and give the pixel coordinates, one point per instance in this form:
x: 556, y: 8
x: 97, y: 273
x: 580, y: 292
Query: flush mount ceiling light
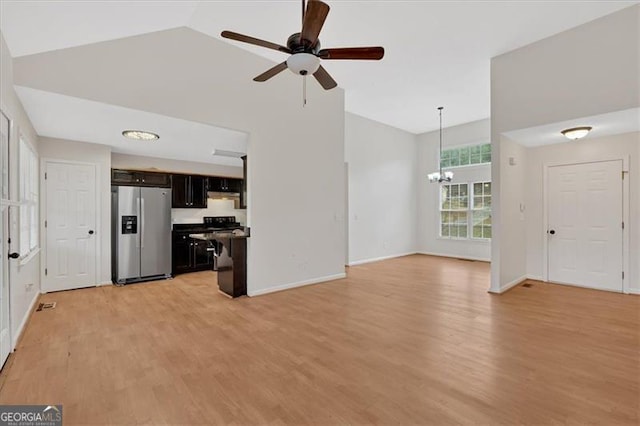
x: 140, y: 135
x: 576, y: 132
x: 440, y: 176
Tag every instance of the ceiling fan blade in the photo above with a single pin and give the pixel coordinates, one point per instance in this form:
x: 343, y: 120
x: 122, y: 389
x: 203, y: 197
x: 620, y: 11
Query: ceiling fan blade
x: 357, y: 53
x: 255, y: 41
x: 314, y: 18
x: 271, y: 72
x: 325, y: 80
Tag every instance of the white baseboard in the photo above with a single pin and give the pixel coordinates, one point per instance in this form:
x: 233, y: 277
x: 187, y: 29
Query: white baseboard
x: 510, y: 284
x: 378, y: 259
x: 296, y: 284
x: 535, y: 278
x: 633, y: 291
x: 452, y: 256
x: 24, y: 321
x: 104, y: 283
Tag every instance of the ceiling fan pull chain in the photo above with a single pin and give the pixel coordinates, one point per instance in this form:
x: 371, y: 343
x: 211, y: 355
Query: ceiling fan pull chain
x: 304, y: 91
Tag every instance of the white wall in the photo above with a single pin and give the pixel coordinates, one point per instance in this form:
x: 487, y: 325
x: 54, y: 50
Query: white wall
x: 511, y: 188
x: 65, y: 150
x: 24, y: 280
x: 477, y: 132
x: 612, y: 147
x: 588, y: 70
x: 296, y: 171
x: 382, y: 166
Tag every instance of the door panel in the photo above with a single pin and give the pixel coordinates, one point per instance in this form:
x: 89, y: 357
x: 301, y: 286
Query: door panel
x: 585, y: 211
x: 128, y: 250
x: 156, y: 232
x: 71, y: 215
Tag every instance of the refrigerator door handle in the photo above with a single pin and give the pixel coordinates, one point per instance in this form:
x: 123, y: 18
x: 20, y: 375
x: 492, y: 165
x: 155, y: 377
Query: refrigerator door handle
x: 142, y: 221
x: 138, y: 240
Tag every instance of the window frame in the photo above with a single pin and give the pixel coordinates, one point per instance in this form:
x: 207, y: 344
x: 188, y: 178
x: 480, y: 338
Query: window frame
x: 446, y: 152
x: 28, y: 198
x: 471, y: 208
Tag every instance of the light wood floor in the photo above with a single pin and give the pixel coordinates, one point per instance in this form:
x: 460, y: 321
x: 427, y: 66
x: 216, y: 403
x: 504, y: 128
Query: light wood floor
x: 415, y: 340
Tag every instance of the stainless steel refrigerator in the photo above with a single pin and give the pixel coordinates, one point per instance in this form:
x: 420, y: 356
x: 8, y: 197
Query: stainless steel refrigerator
x: 141, y: 233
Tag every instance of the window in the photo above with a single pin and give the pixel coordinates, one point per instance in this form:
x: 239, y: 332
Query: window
x: 466, y: 156
x: 481, y: 210
x: 454, y: 206
x: 465, y: 210
x: 28, y: 186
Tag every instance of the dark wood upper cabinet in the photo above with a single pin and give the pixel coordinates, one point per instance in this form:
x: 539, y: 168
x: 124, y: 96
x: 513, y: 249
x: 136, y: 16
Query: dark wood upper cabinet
x: 140, y: 178
x: 180, y: 191
x: 223, y: 184
x: 189, y: 191
x: 198, y: 192
x: 243, y: 184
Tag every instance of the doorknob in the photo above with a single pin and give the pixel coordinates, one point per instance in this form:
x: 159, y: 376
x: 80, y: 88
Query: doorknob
x: 14, y: 255
x: 552, y: 232
x: 91, y: 232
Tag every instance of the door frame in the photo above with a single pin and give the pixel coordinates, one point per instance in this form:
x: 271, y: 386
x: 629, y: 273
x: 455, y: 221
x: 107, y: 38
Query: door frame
x: 626, y: 253
x: 5, y: 205
x: 43, y: 216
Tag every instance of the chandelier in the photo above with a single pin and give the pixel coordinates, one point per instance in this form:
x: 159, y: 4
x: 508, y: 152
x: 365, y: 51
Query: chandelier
x: 440, y: 176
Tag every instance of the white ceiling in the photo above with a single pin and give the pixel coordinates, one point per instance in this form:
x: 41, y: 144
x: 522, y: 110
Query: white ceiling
x: 437, y: 53
x: 66, y: 117
x: 613, y: 123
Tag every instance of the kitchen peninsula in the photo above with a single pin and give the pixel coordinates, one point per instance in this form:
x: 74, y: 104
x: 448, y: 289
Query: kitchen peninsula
x: 230, y: 249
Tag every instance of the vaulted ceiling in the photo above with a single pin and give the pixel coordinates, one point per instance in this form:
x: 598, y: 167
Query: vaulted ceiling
x: 437, y: 53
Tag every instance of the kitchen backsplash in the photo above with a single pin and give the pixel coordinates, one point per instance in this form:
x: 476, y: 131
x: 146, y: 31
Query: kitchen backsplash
x: 214, y: 208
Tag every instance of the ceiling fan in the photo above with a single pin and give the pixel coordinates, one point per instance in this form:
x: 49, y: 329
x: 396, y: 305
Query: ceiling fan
x: 304, y: 48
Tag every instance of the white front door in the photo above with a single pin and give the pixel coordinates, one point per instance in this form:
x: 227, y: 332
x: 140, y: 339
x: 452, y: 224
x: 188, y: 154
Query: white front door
x: 585, y: 225
x: 5, y: 330
x: 70, y: 217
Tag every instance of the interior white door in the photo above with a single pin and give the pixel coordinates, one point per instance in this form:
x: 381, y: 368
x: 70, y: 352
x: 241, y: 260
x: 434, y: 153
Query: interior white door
x: 5, y: 329
x: 585, y: 225
x: 71, y: 205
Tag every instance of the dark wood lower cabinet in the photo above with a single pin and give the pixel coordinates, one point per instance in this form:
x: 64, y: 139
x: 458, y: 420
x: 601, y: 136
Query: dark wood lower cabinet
x: 189, y: 255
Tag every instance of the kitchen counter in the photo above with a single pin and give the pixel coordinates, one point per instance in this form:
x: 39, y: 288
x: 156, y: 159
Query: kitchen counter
x: 215, y: 235
x: 230, y: 248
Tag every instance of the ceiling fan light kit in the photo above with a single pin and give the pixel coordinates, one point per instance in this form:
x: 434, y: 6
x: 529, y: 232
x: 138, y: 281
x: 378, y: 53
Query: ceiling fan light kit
x: 304, y: 48
x: 303, y: 63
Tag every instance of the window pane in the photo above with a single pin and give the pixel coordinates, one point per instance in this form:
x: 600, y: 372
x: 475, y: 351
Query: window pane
x: 477, y: 231
x: 477, y: 203
x: 455, y: 158
x: 462, y: 231
x: 464, y: 156
x: 486, y: 158
x: 464, y: 189
x: 487, y: 188
x: 454, y: 190
x: 487, y: 201
x: 475, y: 158
x: 477, y: 189
x: 444, y: 230
x: 486, y: 232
